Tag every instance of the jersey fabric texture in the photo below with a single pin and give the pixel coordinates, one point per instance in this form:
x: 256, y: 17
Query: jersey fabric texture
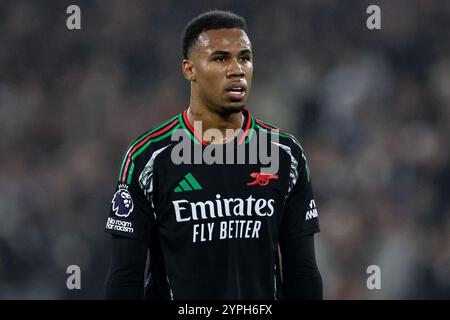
x: 213, y: 228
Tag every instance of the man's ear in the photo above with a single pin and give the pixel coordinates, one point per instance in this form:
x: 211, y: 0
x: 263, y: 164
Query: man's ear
x: 188, y: 69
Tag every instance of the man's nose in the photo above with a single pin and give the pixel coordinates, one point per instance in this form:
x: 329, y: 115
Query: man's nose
x: 235, y: 69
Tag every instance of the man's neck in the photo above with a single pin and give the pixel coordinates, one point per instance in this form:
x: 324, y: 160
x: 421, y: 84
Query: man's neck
x: 214, y: 120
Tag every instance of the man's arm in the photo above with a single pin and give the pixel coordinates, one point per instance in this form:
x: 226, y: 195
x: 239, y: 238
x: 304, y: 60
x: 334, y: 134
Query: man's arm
x: 125, y: 279
x: 301, y: 276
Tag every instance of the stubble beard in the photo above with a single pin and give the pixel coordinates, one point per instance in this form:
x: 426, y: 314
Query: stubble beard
x: 228, y: 110
x: 224, y: 108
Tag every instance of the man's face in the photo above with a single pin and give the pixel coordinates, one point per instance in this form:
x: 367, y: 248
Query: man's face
x: 223, y: 69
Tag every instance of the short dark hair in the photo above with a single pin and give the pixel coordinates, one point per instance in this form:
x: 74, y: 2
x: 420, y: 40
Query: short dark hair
x: 211, y: 20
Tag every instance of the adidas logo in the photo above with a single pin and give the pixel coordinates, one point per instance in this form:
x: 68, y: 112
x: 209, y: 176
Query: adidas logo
x: 189, y: 183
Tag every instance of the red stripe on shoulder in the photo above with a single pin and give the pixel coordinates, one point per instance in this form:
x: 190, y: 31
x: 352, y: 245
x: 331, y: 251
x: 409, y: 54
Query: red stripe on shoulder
x: 136, y: 147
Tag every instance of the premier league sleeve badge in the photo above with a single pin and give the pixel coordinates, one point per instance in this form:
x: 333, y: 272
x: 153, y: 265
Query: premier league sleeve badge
x: 122, y: 203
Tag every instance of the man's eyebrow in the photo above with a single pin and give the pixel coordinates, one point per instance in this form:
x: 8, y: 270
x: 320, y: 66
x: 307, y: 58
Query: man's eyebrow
x: 218, y: 52
x: 226, y: 53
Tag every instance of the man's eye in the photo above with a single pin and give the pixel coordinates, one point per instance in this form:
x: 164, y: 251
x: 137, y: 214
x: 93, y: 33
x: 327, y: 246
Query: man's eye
x: 219, y: 59
x: 245, y: 58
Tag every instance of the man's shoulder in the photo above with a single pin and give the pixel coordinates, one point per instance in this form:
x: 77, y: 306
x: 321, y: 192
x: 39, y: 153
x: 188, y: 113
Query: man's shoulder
x: 285, y: 138
x: 148, y: 145
x: 157, y: 135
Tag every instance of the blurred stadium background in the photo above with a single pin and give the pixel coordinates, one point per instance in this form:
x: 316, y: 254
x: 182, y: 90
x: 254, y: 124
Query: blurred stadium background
x: 371, y: 108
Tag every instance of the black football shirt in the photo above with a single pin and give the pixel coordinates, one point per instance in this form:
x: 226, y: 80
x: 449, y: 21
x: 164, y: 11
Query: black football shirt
x: 214, y: 226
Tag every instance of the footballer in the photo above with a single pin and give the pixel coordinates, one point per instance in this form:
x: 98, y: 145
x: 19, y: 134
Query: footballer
x: 184, y: 226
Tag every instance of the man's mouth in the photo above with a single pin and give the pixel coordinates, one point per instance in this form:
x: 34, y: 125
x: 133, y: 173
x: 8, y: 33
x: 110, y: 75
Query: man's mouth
x: 236, y: 90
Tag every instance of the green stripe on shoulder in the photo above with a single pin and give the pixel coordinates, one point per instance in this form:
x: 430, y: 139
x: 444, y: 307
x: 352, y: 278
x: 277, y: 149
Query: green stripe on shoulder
x: 158, y: 138
x: 145, y: 146
x: 145, y: 135
x: 268, y: 124
x: 251, y: 131
x: 142, y: 149
x: 159, y: 127
x: 293, y: 139
x: 189, y: 133
x: 286, y: 135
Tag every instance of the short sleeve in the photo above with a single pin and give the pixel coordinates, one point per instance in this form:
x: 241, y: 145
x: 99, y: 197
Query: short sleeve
x: 300, y: 215
x: 131, y: 213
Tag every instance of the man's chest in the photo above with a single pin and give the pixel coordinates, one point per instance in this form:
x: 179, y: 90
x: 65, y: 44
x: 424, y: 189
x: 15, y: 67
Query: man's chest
x: 189, y: 193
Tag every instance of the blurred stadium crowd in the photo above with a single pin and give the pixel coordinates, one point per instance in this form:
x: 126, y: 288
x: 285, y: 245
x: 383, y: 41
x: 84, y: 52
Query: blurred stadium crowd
x: 371, y: 108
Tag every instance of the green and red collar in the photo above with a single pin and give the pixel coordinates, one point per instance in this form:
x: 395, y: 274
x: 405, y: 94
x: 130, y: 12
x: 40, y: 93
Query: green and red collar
x: 247, y: 127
